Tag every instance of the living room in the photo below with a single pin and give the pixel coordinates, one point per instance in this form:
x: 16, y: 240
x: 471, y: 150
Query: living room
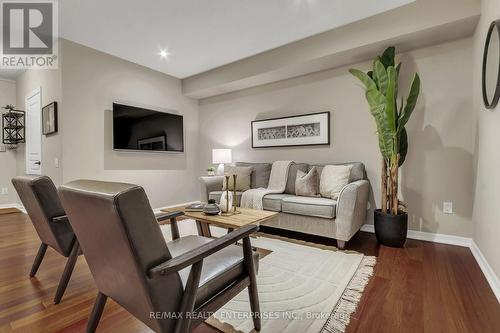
x: 238, y: 78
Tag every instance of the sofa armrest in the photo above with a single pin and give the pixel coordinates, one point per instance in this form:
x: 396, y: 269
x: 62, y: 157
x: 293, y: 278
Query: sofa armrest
x: 210, y: 184
x: 352, y: 205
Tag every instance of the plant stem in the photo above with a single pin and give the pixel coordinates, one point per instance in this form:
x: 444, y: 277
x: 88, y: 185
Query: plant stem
x: 384, y: 186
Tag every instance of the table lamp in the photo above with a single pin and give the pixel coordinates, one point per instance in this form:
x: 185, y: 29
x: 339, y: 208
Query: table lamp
x: 221, y: 156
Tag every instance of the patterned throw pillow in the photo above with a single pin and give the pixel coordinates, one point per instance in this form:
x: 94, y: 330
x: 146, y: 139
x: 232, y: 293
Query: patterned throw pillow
x: 333, y: 179
x: 242, y: 178
x: 307, y: 184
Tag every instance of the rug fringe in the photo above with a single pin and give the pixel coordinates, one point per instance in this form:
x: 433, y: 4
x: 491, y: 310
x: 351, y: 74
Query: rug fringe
x: 341, y: 314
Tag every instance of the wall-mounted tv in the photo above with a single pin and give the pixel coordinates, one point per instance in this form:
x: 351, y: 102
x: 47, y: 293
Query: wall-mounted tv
x: 141, y: 129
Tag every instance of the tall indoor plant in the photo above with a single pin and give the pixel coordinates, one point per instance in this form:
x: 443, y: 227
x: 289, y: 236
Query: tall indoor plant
x: 381, y: 83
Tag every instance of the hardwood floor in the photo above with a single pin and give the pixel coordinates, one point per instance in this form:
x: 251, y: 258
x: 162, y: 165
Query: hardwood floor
x: 424, y: 287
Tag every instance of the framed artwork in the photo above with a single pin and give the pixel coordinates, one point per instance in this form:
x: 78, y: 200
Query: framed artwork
x: 303, y: 130
x: 49, y: 118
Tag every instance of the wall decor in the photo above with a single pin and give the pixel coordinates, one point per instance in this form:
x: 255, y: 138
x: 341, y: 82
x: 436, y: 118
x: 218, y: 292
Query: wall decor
x: 49, y: 118
x: 302, y: 130
x: 13, y: 123
x: 491, y: 66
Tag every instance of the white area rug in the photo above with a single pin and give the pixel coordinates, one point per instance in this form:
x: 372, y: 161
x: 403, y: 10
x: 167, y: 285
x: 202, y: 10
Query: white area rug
x: 303, y: 287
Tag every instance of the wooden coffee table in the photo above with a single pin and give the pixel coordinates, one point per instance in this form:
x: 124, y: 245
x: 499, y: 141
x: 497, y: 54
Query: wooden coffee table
x: 231, y: 222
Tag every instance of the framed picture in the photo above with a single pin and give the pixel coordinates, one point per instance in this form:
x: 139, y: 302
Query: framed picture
x: 303, y: 130
x: 49, y: 118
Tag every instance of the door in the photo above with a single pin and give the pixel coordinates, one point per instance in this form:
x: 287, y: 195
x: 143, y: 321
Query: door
x: 34, y: 133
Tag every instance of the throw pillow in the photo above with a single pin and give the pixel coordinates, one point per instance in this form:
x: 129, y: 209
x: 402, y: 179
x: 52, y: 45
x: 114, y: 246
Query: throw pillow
x: 242, y: 178
x: 306, y: 184
x: 333, y: 179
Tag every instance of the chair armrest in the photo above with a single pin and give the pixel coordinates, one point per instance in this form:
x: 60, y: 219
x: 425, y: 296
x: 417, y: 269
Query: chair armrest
x: 352, y: 205
x: 168, y: 215
x: 210, y: 184
x: 201, y: 252
x: 59, y: 219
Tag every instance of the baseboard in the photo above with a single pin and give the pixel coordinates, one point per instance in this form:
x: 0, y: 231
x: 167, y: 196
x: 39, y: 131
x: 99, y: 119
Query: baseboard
x: 488, y: 272
x: 428, y: 236
x: 13, y: 205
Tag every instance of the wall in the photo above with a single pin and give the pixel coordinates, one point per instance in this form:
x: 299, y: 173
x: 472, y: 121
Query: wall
x: 486, y: 215
x: 7, y: 158
x: 49, y: 82
x: 439, y: 163
x: 92, y: 82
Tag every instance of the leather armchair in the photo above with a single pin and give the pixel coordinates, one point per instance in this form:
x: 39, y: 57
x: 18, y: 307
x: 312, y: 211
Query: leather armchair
x: 133, y: 264
x: 41, y: 201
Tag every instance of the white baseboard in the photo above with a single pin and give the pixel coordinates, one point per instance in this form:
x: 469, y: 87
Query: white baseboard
x: 428, y: 236
x: 13, y: 205
x: 488, y: 272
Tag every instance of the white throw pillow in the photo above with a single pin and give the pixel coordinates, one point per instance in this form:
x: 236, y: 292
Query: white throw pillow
x: 333, y: 179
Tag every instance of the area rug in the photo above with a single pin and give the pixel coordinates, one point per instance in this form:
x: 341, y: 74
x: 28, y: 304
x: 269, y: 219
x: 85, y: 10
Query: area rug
x: 303, y: 287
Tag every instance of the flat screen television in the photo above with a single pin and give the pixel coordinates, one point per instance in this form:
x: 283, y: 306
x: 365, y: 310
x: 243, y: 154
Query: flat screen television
x: 140, y: 129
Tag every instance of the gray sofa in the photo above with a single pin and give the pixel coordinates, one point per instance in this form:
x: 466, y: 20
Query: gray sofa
x: 339, y: 219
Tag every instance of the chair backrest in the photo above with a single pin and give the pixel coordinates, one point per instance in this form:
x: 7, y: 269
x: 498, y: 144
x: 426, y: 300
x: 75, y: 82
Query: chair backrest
x: 121, y: 241
x: 41, y: 201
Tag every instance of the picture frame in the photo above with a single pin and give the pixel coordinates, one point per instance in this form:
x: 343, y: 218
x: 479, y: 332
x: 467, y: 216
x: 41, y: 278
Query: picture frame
x: 312, y: 129
x: 49, y: 118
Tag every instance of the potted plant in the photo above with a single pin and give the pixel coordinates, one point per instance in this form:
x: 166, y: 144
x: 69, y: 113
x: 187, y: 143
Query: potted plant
x: 211, y: 171
x: 381, y: 83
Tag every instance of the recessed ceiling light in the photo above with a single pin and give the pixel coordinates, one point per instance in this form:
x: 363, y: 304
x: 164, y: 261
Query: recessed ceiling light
x: 164, y: 53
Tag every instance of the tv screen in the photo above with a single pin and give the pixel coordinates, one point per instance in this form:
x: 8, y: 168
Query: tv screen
x: 141, y: 129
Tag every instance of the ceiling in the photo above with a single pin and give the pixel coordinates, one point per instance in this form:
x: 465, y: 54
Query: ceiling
x: 202, y: 35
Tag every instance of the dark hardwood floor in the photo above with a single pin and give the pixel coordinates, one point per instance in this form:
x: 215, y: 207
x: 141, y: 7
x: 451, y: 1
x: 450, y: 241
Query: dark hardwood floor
x: 424, y: 287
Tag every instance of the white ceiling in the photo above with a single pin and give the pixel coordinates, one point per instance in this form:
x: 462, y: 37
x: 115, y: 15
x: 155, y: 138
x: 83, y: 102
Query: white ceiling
x: 204, y: 34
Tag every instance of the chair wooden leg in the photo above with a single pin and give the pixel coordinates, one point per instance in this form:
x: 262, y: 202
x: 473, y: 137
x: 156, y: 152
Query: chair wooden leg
x: 38, y: 259
x: 68, y: 269
x: 174, y: 228
x: 341, y: 244
x: 252, y: 288
x: 96, y: 313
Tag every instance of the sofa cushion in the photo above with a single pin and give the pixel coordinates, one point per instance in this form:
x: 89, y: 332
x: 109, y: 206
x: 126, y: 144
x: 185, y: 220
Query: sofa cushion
x: 307, y: 184
x: 260, y: 173
x: 309, y: 206
x: 272, y: 202
x: 357, y: 171
x: 217, y: 194
x: 242, y: 178
x: 292, y: 176
x: 333, y: 179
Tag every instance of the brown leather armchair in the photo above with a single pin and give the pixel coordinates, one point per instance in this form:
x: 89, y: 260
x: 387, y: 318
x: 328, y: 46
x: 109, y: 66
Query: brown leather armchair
x: 153, y: 280
x: 41, y: 201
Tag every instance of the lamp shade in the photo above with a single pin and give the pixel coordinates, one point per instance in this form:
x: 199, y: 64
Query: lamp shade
x: 220, y: 156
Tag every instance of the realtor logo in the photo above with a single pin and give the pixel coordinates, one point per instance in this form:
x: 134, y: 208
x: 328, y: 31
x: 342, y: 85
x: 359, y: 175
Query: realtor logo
x: 29, y: 34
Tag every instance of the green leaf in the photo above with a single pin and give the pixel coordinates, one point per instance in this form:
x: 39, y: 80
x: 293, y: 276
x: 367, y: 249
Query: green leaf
x: 364, y: 78
x: 390, y: 109
x: 387, y: 58
x: 403, y: 146
x: 411, y: 101
x: 381, y: 74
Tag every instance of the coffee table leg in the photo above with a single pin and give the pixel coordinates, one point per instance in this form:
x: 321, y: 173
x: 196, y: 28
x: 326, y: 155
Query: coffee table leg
x: 203, y: 229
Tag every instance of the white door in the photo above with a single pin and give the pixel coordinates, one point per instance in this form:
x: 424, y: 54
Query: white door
x: 34, y: 133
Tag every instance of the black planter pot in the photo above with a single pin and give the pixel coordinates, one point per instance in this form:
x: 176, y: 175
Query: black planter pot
x: 391, y: 230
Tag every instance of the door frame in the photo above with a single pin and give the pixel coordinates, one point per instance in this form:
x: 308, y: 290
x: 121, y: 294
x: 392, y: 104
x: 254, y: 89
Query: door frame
x: 37, y: 90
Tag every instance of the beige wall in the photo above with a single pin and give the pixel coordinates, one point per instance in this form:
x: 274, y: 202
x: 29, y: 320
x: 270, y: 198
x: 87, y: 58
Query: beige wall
x: 49, y: 82
x: 486, y: 215
x: 7, y: 158
x: 439, y: 163
x: 92, y: 81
